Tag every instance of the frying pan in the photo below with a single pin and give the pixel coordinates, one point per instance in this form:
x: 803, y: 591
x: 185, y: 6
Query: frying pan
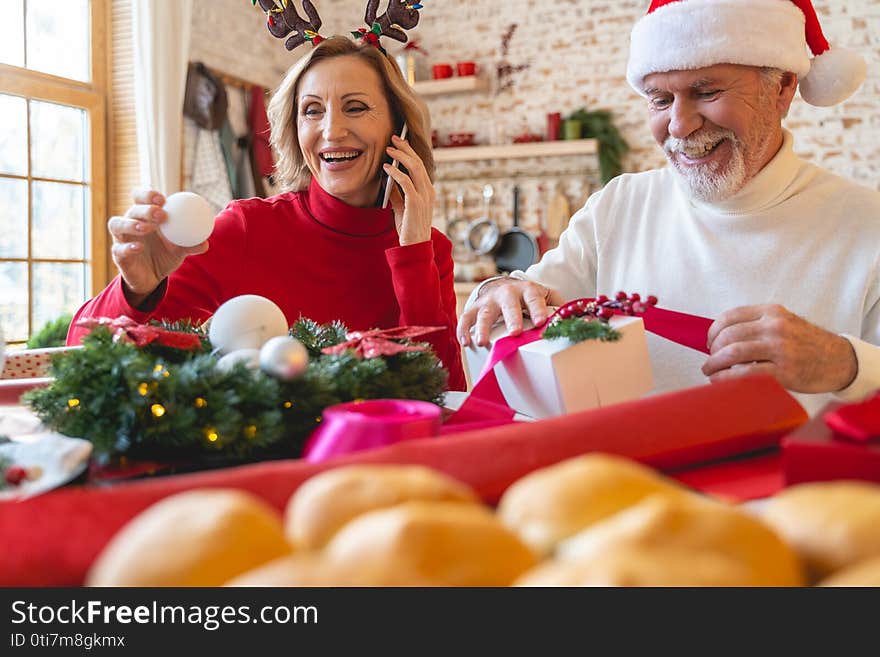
x: 517, y: 249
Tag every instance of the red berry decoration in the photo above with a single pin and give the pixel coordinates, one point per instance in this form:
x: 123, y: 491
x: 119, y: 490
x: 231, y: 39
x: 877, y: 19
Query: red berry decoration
x: 14, y: 475
x: 604, y: 309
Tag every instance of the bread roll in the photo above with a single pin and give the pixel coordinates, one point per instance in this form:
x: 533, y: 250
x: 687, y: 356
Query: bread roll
x: 697, y: 525
x: 832, y: 524
x: 451, y: 544
x: 196, y: 538
x: 865, y: 573
x: 642, y: 565
x: 324, y: 503
x: 553, y: 503
x: 314, y: 569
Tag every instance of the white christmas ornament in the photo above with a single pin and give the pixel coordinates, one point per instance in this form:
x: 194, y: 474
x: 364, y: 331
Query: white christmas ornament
x: 284, y: 358
x: 246, y: 322
x: 250, y: 357
x: 190, y: 219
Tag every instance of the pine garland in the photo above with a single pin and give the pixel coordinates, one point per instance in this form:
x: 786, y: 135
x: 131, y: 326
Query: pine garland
x: 578, y: 330
x: 162, y: 403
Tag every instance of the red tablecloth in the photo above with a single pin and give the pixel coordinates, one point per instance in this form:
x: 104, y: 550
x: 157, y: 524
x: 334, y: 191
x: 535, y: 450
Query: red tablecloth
x: 52, y: 539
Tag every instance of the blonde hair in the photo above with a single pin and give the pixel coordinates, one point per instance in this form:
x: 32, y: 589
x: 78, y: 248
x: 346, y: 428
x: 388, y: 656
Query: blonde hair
x: 291, y: 170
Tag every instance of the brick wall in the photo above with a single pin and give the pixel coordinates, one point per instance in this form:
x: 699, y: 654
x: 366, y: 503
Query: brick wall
x: 576, y: 51
x: 231, y: 36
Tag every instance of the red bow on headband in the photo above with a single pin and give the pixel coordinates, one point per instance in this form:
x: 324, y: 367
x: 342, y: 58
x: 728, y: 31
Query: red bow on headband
x: 125, y: 329
x: 379, y: 342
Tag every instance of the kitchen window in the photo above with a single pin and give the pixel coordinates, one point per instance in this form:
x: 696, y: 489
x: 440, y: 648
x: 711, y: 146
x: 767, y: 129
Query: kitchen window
x: 53, y: 245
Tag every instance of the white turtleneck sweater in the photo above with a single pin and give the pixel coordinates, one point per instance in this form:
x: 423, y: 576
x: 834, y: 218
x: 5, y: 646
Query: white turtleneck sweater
x: 796, y: 235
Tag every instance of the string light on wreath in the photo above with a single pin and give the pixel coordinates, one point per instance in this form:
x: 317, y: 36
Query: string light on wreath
x: 157, y: 410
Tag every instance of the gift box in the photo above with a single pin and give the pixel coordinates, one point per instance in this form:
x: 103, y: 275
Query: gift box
x: 548, y: 378
x: 30, y: 363
x: 815, y: 452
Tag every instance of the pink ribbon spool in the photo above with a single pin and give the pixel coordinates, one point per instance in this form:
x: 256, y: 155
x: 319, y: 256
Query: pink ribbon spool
x: 356, y: 426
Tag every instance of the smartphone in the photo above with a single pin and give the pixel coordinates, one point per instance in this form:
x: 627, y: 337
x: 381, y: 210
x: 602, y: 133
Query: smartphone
x: 389, y: 181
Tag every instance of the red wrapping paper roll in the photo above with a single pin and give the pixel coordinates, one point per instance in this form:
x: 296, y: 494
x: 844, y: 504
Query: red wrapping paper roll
x: 54, y: 538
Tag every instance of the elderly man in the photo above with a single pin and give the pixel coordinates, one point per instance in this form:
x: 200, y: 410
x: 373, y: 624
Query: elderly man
x: 784, y: 256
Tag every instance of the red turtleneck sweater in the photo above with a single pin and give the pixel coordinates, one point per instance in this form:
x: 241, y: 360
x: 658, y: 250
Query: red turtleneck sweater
x: 316, y: 257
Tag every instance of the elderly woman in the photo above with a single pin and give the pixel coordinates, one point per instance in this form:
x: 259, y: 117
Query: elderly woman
x: 323, y: 249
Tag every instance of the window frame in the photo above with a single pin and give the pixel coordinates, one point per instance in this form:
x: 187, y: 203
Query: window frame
x: 93, y: 98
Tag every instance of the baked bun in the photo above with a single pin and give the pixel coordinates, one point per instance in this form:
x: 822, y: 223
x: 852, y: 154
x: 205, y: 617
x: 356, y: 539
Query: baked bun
x: 832, y: 524
x: 326, y: 502
x: 696, y: 525
x: 196, y: 538
x: 642, y: 565
x: 314, y: 569
x: 865, y: 573
x: 553, y: 503
x: 443, y: 542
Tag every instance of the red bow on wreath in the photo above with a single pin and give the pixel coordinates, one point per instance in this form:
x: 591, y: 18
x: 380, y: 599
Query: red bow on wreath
x: 380, y: 342
x: 859, y: 421
x: 125, y: 329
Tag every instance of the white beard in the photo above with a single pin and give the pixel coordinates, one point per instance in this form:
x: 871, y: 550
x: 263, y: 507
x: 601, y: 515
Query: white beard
x: 713, y: 182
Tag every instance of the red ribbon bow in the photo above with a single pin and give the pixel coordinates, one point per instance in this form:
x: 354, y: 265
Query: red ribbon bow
x: 415, y: 45
x: 379, y: 342
x: 125, y: 329
x: 859, y: 421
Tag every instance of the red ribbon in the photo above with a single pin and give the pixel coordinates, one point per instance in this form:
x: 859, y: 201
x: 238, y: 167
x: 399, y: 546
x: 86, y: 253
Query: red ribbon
x: 859, y: 421
x: 380, y: 342
x: 414, y: 45
x: 486, y: 399
x: 125, y: 329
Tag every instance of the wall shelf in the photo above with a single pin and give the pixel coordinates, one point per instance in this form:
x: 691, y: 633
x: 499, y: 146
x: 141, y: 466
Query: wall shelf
x: 508, y: 151
x: 452, y: 85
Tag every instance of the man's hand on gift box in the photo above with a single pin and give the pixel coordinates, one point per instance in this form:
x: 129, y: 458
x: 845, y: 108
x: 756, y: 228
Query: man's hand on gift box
x: 768, y: 339
x: 507, y: 297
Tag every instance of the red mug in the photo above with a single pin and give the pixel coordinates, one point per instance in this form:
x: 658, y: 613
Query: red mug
x: 442, y: 71
x: 466, y: 68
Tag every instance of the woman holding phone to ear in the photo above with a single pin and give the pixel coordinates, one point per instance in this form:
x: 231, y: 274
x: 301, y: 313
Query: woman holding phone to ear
x: 324, y: 248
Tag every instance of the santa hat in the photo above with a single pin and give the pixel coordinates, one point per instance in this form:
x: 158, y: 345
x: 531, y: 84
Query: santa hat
x: 690, y: 34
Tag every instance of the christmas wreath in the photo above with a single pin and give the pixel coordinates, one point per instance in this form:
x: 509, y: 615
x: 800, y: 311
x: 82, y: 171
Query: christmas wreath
x: 155, y: 392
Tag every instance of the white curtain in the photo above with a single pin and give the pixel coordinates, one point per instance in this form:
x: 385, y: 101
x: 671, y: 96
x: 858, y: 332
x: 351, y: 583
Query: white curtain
x: 161, y: 53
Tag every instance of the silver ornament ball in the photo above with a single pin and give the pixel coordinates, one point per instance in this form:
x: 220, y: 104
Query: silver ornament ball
x: 284, y: 358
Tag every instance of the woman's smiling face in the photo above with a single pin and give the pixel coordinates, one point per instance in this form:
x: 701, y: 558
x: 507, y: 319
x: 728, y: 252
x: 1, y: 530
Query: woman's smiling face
x: 344, y: 125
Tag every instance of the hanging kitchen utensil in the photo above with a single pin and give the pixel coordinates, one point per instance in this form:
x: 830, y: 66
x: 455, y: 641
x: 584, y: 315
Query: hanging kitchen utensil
x: 558, y: 213
x: 483, y: 233
x: 517, y: 249
x: 457, y: 227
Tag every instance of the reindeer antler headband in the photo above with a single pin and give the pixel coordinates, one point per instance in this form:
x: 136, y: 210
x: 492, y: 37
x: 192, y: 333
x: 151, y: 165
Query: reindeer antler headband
x: 283, y: 20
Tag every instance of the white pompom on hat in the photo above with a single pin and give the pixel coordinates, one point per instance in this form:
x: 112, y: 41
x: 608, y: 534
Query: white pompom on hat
x: 690, y: 34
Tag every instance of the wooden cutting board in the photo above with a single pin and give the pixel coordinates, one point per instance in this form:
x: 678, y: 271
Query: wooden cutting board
x: 558, y: 213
